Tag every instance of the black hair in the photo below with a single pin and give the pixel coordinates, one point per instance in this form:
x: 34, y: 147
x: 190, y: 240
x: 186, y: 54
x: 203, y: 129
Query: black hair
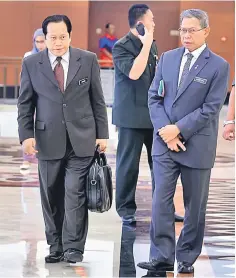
x: 56, y: 18
x: 135, y: 13
x: 107, y: 25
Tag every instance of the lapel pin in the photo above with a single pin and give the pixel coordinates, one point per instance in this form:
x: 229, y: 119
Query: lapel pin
x: 196, y: 67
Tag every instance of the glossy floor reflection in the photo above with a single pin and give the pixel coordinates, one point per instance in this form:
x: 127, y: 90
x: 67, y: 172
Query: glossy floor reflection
x: 28, y: 255
x: 111, y: 250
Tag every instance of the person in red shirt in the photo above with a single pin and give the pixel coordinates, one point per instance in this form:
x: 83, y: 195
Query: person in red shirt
x: 106, y: 44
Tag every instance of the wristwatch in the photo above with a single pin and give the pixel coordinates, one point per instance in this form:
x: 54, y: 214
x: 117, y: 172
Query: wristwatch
x: 229, y: 122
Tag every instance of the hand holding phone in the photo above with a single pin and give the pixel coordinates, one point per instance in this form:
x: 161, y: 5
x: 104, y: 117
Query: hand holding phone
x: 140, y: 29
x: 145, y: 36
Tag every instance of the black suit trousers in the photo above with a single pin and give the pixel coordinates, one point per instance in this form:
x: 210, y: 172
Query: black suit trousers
x: 62, y: 189
x: 130, y: 143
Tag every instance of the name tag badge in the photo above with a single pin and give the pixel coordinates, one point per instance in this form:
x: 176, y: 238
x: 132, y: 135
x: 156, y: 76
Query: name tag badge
x: 82, y: 81
x: 200, y: 80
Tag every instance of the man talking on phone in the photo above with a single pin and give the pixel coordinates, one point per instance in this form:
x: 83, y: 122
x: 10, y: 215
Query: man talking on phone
x: 135, y: 58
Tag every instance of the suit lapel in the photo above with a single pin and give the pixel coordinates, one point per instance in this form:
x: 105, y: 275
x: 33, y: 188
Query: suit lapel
x: 175, y: 67
x: 46, y: 68
x: 196, y: 68
x: 74, y: 65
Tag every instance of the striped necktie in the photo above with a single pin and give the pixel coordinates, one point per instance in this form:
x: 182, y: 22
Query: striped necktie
x: 186, y: 69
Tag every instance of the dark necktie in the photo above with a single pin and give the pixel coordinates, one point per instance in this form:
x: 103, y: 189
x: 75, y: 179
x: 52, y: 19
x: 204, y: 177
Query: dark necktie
x: 186, y: 69
x: 59, y: 74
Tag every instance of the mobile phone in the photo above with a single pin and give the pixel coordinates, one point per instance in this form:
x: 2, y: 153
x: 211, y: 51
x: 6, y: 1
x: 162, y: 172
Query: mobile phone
x: 182, y: 141
x: 140, y: 29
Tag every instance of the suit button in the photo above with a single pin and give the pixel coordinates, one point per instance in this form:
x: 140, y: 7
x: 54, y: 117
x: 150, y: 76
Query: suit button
x: 64, y: 105
x: 174, y: 105
x: 63, y: 122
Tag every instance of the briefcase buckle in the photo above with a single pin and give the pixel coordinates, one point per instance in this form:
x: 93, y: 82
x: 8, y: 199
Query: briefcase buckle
x: 93, y: 182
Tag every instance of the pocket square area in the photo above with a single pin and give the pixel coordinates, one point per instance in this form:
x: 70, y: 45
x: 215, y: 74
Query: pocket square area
x: 200, y: 80
x: 82, y: 81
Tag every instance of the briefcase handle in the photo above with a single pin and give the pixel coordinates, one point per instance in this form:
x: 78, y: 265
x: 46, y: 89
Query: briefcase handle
x: 101, y: 157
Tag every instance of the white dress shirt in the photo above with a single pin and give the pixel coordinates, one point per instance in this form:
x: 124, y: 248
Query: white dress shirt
x: 64, y: 61
x: 196, y: 53
x: 28, y: 54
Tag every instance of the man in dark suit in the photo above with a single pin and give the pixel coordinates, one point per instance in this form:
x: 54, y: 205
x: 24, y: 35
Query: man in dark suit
x: 62, y: 85
x: 135, y: 59
x: 185, y: 116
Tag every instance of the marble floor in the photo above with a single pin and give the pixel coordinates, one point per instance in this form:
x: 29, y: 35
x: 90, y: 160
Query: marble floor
x: 111, y: 250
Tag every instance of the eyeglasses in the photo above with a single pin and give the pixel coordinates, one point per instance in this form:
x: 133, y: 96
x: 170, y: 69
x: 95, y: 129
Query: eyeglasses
x: 40, y: 42
x: 191, y: 31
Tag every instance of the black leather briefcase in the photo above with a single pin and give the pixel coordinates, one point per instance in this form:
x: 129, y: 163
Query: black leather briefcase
x: 99, y: 189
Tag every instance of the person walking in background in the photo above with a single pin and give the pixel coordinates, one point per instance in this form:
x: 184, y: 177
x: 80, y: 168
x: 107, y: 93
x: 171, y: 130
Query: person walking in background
x: 38, y: 42
x: 38, y: 45
x: 106, y: 43
x: 229, y: 124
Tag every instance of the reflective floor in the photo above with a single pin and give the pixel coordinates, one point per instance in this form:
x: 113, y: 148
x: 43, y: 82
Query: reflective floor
x: 111, y: 250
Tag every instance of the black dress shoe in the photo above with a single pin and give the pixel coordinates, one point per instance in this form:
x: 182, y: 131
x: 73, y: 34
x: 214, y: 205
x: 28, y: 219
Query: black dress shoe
x: 179, y: 218
x: 155, y: 265
x: 54, y: 257
x: 185, y: 268
x: 73, y: 256
x: 155, y: 274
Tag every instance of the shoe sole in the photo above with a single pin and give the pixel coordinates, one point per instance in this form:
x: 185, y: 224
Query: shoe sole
x: 168, y: 268
x: 54, y: 261
x: 185, y: 272
x: 68, y: 260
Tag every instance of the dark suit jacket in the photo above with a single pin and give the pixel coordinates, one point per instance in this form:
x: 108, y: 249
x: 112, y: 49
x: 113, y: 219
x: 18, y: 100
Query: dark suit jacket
x: 130, y: 107
x: 80, y: 110
x: 194, y: 108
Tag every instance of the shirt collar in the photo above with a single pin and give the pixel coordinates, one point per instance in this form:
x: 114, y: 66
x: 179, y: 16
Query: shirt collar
x: 196, y: 53
x: 64, y: 57
x: 110, y: 37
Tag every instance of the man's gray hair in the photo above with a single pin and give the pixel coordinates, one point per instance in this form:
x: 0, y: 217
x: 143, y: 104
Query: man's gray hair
x: 199, y: 14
